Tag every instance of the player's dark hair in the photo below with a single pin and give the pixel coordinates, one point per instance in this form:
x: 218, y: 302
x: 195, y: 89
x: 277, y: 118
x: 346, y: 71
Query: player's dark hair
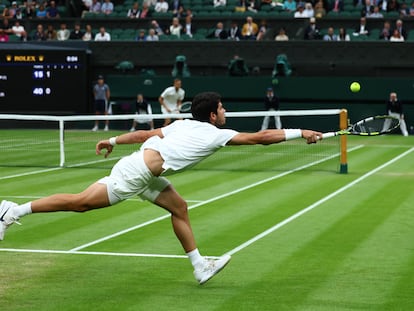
x: 204, y: 104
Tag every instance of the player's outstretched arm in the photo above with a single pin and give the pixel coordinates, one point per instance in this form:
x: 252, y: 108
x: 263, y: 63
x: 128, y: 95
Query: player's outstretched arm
x: 127, y: 138
x: 268, y: 137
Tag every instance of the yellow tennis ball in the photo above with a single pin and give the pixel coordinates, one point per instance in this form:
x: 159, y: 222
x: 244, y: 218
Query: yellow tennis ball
x: 355, y: 87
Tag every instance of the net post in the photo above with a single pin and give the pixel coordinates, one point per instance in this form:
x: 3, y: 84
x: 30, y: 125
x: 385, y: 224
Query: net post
x: 343, y: 124
x: 62, y: 142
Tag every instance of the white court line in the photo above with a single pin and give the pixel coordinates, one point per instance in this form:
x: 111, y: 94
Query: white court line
x: 77, y: 249
x: 56, y: 168
x: 50, y: 251
x: 316, y: 204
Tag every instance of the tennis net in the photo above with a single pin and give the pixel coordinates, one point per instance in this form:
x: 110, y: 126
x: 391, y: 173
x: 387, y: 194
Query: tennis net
x: 67, y: 141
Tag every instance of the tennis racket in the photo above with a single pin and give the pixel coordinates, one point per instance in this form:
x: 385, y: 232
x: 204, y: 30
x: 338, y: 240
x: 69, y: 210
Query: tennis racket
x: 371, y: 126
x: 185, y: 107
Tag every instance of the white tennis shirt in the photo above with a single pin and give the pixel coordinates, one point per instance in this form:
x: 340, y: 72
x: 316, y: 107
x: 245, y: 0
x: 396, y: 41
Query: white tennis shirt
x: 171, y: 96
x: 187, y: 142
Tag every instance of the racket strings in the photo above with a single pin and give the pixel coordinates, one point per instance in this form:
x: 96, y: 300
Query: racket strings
x: 376, y: 125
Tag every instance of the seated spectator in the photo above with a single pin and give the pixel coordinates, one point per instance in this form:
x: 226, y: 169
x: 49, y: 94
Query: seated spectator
x: 330, y: 36
x: 368, y: 8
x: 252, y: 6
x: 312, y: 31
x: 39, y: 34
x: 412, y: 9
x: 175, y: 27
x: 52, y: 11
x: 319, y: 10
x: 29, y: 9
x: 7, y: 28
x: 383, y: 4
x: 95, y: 8
x: 145, y: 11
x: 18, y: 14
x: 337, y: 6
x: 63, y: 33
x: 107, y: 7
x: 152, y: 36
x: 361, y: 29
x: 158, y: 29
x: 249, y: 29
x: 300, y: 12
x: 50, y: 33
x: 375, y: 13
x: 399, y: 26
x: 188, y: 27
x: 41, y: 12
x: 141, y: 35
x: 393, y: 6
x: 234, y: 33
x: 289, y: 5
x: 86, y: 4
x: 12, y: 9
x: 396, y: 36
x: 6, y: 13
x: 310, y: 12
x: 342, y: 35
x: 134, y: 11
x: 262, y: 30
x: 218, y: 33
x: 404, y: 10
x: 241, y: 6
x: 4, y: 37
x: 161, y: 6
x: 282, y: 36
x: 88, y: 35
x: 175, y: 6
x: 76, y: 33
x: 386, y: 31
x: 102, y: 35
x: 19, y: 31
x: 217, y: 3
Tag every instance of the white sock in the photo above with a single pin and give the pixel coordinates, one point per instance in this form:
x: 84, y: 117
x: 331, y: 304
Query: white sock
x: 23, y: 210
x: 196, y: 259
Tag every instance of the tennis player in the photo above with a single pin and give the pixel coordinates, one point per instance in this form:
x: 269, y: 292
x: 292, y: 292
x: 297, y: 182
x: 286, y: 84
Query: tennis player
x: 171, y: 99
x: 164, y: 151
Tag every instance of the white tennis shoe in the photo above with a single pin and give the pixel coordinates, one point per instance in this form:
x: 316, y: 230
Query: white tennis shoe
x: 6, y: 217
x: 210, y: 268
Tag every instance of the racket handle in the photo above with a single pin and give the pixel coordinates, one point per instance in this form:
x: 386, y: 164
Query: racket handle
x: 329, y: 134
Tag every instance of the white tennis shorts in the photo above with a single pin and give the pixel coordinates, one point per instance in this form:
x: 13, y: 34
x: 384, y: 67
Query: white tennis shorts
x: 130, y: 177
x: 173, y: 108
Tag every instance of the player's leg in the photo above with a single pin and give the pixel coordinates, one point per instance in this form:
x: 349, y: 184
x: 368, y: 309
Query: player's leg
x: 204, y: 269
x: 95, y: 196
x: 170, y: 200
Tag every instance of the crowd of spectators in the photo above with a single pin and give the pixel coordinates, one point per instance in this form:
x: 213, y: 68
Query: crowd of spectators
x: 181, y: 24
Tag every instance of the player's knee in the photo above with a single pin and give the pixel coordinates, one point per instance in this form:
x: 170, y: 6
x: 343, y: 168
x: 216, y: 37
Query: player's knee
x: 181, y: 209
x: 80, y: 204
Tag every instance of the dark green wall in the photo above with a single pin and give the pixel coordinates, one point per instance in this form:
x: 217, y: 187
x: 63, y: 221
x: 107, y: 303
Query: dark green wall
x: 246, y: 94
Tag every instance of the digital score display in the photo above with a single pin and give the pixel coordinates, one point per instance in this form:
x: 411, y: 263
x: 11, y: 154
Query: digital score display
x: 44, y: 81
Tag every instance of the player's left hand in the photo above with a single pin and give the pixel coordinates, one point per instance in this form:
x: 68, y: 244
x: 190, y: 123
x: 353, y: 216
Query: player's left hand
x: 104, y: 144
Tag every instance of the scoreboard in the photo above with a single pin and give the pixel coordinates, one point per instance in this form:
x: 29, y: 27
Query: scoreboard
x: 44, y: 80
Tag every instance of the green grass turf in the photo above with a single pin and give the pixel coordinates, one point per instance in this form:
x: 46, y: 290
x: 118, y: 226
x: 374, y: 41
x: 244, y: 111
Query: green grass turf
x: 351, y: 250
